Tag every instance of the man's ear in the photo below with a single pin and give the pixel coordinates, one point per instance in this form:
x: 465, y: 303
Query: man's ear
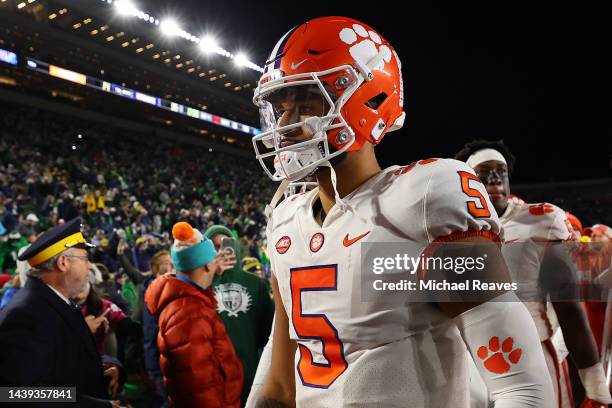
x: 61, y: 263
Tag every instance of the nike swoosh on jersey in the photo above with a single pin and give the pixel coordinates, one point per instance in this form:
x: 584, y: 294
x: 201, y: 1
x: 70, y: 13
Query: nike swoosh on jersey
x: 347, y: 242
x: 512, y: 240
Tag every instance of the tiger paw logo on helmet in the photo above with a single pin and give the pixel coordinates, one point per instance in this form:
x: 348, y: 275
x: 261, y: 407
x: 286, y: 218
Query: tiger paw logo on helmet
x: 368, y: 46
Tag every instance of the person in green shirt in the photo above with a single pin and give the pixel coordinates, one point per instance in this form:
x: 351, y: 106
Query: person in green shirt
x: 9, y: 250
x: 128, y: 290
x: 245, y: 307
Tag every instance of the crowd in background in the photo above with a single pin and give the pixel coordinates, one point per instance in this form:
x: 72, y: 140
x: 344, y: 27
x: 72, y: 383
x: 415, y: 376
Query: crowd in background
x: 54, y: 168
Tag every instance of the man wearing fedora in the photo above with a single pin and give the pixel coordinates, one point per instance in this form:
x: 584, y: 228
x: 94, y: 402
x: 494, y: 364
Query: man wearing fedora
x: 44, y: 338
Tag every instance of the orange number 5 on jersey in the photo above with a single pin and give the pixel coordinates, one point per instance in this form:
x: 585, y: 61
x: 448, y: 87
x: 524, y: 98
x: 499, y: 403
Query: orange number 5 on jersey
x: 483, y: 211
x: 317, y: 327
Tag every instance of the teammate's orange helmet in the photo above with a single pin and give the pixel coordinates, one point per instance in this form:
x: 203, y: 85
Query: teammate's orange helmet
x: 599, y: 230
x: 574, y: 221
x: 335, y: 81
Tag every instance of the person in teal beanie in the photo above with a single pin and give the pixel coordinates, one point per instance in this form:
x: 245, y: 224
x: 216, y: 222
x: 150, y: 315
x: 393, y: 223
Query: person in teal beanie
x: 245, y: 307
x: 197, y: 358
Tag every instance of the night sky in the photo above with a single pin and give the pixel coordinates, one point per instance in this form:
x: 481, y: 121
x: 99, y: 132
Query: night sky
x: 537, y: 77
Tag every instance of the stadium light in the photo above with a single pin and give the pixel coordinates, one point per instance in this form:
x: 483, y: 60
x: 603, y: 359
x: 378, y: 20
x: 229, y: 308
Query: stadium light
x: 241, y: 60
x: 125, y: 8
x: 208, y: 44
x: 169, y: 27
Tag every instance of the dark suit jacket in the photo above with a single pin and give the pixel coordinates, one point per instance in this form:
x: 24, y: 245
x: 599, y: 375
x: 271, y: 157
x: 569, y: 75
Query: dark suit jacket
x: 46, y: 342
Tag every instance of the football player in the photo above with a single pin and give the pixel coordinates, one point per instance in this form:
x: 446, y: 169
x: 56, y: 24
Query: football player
x: 535, y: 261
x: 331, y: 90
x: 596, y: 261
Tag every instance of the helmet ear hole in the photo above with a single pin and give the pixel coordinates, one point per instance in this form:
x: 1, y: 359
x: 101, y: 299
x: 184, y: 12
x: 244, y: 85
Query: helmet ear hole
x: 376, y: 101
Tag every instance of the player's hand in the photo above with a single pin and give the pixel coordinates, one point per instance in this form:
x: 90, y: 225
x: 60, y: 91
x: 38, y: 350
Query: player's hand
x: 589, y: 403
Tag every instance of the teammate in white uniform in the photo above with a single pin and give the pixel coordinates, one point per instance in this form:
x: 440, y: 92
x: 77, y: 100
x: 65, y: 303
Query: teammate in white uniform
x: 331, y: 90
x: 539, y: 264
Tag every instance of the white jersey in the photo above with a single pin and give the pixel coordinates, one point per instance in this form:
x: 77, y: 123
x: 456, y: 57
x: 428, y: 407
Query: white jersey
x: 527, y: 227
x: 375, y: 354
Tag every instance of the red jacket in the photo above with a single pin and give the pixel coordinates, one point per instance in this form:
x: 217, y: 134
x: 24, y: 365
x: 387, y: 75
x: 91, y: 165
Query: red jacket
x: 197, y: 359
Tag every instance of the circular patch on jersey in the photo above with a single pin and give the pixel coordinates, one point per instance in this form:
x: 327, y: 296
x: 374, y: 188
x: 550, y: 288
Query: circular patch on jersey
x: 283, y: 245
x: 316, y: 242
x: 541, y: 209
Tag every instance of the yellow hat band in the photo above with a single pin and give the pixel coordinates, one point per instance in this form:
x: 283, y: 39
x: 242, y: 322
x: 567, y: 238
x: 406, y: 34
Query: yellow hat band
x: 56, y: 248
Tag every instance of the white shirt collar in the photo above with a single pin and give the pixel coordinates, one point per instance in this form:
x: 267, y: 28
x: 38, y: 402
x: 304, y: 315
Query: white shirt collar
x: 57, y: 292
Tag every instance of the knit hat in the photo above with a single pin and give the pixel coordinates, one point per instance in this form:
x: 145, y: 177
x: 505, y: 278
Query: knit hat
x: 190, y: 250
x: 251, y: 264
x: 218, y: 229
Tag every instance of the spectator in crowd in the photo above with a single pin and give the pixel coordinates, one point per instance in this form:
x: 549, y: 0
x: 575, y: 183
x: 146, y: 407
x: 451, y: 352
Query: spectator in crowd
x: 116, y: 334
x: 198, y: 361
x: 109, y: 289
x: 46, y: 341
x: 161, y: 264
x: 127, y: 289
x: 13, y: 283
x: 252, y: 265
x: 9, y: 250
x: 245, y: 306
x: 137, y: 277
x: 29, y: 227
x: 101, y: 315
x: 103, y: 253
x: 4, y: 279
x: 10, y: 291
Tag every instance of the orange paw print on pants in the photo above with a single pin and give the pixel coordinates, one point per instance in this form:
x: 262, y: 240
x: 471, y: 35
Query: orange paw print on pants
x: 497, y: 363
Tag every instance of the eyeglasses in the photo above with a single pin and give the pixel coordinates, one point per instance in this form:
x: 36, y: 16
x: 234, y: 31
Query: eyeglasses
x: 83, y: 257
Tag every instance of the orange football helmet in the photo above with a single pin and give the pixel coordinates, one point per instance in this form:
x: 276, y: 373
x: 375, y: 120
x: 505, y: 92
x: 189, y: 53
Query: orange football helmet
x: 329, y: 86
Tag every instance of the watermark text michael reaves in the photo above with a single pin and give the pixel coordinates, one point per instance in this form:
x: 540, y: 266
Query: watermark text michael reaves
x: 435, y: 285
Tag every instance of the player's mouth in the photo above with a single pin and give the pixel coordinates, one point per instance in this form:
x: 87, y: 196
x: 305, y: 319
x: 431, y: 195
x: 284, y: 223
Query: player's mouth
x: 496, y: 193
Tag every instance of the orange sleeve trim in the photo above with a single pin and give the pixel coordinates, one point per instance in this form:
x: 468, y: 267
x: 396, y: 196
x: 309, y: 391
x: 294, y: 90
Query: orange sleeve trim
x: 457, y: 235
